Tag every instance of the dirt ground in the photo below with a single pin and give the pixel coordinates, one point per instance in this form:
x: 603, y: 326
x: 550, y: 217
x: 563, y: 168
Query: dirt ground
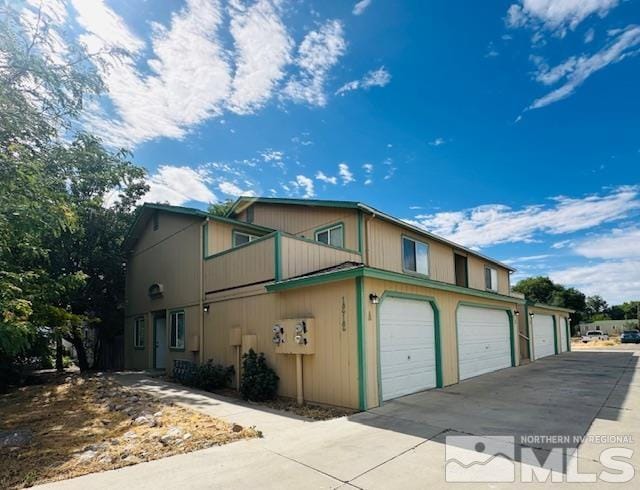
x: 576, y: 343
x: 76, y: 425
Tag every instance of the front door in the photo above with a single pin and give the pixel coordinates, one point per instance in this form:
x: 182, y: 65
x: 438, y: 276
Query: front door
x: 160, y: 338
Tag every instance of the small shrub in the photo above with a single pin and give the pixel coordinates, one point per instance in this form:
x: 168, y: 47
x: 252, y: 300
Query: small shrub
x: 208, y: 376
x: 259, y: 381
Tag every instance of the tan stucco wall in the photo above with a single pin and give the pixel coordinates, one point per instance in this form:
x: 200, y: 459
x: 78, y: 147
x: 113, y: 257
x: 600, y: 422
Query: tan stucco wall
x: 447, y: 305
x: 330, y: 375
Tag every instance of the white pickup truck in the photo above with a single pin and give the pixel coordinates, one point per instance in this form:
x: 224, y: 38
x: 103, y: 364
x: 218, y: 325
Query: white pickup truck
x: 594, y: 335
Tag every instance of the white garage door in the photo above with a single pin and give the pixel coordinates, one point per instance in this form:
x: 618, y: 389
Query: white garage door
x: 563, y: 335
x: 407, y: 347
x: 484, y: 341
x: 543, y: 336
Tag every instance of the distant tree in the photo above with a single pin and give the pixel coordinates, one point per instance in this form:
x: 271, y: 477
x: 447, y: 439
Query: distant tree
x: 615, y: 312
x: 596, y: 305
x: 631, y: 310
x: 220, y: 208
x: 537, y: 289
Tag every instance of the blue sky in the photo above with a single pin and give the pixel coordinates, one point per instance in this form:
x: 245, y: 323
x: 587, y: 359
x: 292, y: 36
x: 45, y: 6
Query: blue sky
x: 510, y: 127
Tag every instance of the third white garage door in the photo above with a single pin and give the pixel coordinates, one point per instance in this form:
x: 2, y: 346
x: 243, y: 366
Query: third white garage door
x: 407, y: 347
x: 484, y: 340
x: 543, y: 338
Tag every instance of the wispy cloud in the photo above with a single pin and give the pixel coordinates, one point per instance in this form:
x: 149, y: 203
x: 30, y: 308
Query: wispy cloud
x: 345, y: 174
x: 178, y: 185
x: 319, y: 51
x: 368, y: 170
x: 620, y: 243
x: 374, y: 78
x: 304, y: 184
x: 233, y: 190
x: 576, y: 70
x: 496, y: 223
x: 326, y: 179
x: 555, y: 15
x: 361, y: 6
x: 437, y: 142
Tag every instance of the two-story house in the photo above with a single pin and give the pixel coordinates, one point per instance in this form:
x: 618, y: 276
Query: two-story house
x: 379, y: 308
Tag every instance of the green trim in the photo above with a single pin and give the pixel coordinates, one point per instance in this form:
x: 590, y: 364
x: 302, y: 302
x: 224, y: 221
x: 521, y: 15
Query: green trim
x: 437, y: 337
x: 363, y: 271
x: 184, y: 330
x: 527, y: 318
x: 409, y: 271
x: 233, y: 249
x: 555, y: 334
x: 277, y: 264
x: 244, y: 232
x: 550, y: 307
x: 512, y: 337
x: 205, y: 239
x: 155, y: 348
x: 144, y: 332
x: 309, y: 240
x: 360, y: 233
x: 362, y: 370
x: 566, y: 326
x: 338, y: 224
x: 280, y: 200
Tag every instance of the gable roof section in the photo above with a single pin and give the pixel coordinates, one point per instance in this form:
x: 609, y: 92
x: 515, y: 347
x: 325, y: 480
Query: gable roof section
x: 145, y: 212
x: 244, y: 202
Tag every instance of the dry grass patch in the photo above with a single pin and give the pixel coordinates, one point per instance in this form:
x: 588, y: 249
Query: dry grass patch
x: 78, y: 425
x: 612, y: 342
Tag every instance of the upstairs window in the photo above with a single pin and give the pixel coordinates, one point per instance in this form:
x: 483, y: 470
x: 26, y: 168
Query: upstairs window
x: 138, y: 333
x: 490, y: 279
x: 415, y: 256
x: 240, y: 238
x: 331, y: 236
x: 176, y: 338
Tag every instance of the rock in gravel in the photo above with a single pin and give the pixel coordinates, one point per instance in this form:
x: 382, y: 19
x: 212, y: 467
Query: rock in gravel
x: 87, y: 455
x: 15, y: 438
x: 171, y: 436
x: 236, y: 428
x: 130, y: 435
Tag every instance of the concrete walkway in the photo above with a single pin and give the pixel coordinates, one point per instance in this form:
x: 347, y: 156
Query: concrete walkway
x: 402, y: 443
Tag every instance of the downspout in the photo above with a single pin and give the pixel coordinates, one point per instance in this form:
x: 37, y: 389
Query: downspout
x: 204, y: 239
x: 366, y: 241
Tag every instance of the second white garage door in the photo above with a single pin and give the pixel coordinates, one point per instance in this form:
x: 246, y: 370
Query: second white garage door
x: 543, y: 338
x: 407, y: 347
x: 484, y: 341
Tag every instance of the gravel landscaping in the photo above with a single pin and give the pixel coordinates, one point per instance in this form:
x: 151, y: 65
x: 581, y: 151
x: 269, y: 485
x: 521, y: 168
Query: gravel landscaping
x: 76, y: 425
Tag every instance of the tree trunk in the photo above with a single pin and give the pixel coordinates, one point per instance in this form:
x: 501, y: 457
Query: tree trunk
x: 78, y: 344
x: 59, y: 365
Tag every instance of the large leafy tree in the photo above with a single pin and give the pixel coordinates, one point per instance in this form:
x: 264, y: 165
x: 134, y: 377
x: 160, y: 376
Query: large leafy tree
x: 60, y: 261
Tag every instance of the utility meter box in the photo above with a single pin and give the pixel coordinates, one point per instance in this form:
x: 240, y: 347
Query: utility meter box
x: 294, y: 336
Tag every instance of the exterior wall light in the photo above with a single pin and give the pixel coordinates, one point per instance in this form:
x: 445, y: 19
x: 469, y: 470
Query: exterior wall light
x: 205, y: 308
x: 531, y: 313
x: 516, y: 313
x: 373, y: 297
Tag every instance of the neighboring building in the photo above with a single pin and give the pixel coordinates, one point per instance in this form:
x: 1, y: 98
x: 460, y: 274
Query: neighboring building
x: 369, y: 307
x: 610, y: 327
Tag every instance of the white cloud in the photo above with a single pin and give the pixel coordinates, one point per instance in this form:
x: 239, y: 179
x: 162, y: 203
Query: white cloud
x: 272, y: 155
x: 263, y: 49
x: 556, y: 15
x: 374, y: 78
x: 589, y: 35
x: 361, y: 6
x: 562, y: 244
x: 496, y: 223
x: 324, y: 178
x: 305, y: 183
x: 617, y: 281
x: 574, y: 71
x: 368, y: 169
x: 178, y: 185
x: 232, y: 189
x: 528, y: 258
x: 319, y: 51
x: 345, y: 174
x: 437, y: 142
x: 618, y: 244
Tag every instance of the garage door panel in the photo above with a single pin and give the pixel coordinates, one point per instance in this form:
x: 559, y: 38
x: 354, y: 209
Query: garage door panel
x: 563, y: 335
x: 407, y: 347
x: 484, y: 341
x: 543, y: 338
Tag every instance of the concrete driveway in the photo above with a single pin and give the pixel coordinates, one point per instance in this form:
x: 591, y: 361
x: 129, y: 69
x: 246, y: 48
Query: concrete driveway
x: 402, y: 443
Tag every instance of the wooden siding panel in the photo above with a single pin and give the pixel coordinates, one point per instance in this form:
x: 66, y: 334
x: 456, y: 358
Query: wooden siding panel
x: 305, y: 220
x: 330, y: 375
x: 242, y: 266
x: 301, y: 257
x: 447, y: 304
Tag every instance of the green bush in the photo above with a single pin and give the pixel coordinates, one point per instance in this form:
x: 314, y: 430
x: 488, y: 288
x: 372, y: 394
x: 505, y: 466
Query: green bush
x: 210, y: 376
x: 259, y: 381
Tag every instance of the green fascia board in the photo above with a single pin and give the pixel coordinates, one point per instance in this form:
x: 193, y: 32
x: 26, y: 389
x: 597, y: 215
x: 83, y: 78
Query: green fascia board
x: 363, y: 271
x: 362, y: 369
x: 308, y: 240
x: 550, y: 307
x: 369, y: 210
x: 555, y: 335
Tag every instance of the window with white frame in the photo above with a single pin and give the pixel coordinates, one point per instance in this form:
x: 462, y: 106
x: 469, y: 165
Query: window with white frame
x: 138, y: 333
x: 176, y: 322
x: 240, y: 238
x: 333, y: 235
x: 415, y: 256
x: 490, y: 279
